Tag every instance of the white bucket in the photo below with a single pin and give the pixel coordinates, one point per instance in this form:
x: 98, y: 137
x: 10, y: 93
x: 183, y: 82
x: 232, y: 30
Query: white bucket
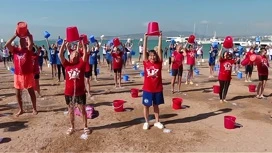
x: 133, y: 62
x: 164, y: 63
x: 202, y: 60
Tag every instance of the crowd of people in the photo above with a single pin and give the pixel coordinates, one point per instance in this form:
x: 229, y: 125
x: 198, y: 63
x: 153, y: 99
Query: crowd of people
x: 82, y: 61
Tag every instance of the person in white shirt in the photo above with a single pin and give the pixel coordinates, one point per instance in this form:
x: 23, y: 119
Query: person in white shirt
x: 5, y: 56
x: 104, y: 52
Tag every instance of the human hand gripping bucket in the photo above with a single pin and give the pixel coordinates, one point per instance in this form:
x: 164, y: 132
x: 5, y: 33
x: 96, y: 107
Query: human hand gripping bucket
x: 153, y: 29
x: 134, y: 92
x: 176, y: 103
x: 229, y: 122
x: 216, y: 89
x: 72, y: 34
x: 118, y: 105
x: 21, y: 29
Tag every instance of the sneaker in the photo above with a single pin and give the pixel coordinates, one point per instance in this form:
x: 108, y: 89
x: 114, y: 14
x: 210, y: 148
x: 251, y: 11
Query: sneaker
x: 146, y: 126
x: 225, y: 101
x: 246, y: 81
x: 159, y: 125
x: 221, y: 101
x: 186, y: 82
x: 191, y: 82
x: 249, y: 81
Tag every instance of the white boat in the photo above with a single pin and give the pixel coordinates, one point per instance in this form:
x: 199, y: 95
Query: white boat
x: 179, y: 39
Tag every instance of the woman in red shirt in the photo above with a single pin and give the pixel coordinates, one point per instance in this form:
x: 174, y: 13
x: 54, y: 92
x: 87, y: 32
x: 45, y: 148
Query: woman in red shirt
x: 191, y: 56
x: 262, y: 68
x: 74, y: 83
x: 117, y: 61
x: 152, y: 88
x: 177, y: 66
x: 224, y: 76
x: 249, y: 67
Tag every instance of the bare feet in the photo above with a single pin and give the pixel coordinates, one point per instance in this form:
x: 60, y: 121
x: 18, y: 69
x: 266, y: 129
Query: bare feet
x: 35, y: 112
x: 20, y: 113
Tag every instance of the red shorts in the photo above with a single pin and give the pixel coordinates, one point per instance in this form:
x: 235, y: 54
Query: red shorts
x: 25, y: 81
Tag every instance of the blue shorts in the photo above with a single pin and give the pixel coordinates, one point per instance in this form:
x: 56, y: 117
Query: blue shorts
x: 152, y: 98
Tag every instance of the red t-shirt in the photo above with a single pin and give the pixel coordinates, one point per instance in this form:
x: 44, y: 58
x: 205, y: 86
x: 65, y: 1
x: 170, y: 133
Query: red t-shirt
x: 74, y: 73
x: 225, y: 69
x: 117, y: 60
x: 152, y: 77
x: 248, y: 54
x: 35, y: 59
x: 263, y: 66
x: 190, y: 54
x: 178, y: 59
x: 22, y: 59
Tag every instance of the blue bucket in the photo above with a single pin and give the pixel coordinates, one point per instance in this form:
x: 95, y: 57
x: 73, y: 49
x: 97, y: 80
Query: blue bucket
x: 240, y: 75
x: 59, y: 42
x: 46, y: 34
x: 258, y: 39
x: 12, y: 70
x: 196, y: 72
x: 110, y: 43
x: 215, y: 44
x: 240, y: 48
x: 97, y: 71
x: 173, y: 41
x: 132, y: 53
x: 125, y: 77
x: 135, y: 67
x: 92, y: 39
x: 142, y: 73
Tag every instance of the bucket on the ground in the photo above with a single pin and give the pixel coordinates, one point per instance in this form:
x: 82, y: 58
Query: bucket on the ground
x: 240, y: 75
x: 216, y: 89
x: 21, y: 29
x: 46, y: 34
x: 133, y: 62
x: 12, y: 70
x: 72, y: 34
x: 125, y: 77
x: 252, y: 88
x: 118, y: 105
x: 97, y: 71
x: 229, y: 122
x: 153, y: 29
x: 142, y: 73
x: 135, y: 67
x: 134, y: 92
x: 176, y: 103
x: 196, y: 72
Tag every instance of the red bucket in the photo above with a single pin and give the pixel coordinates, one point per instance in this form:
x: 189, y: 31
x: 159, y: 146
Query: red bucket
x: 21, y: 29
x: 229, y: 122
x: 228, y: 42
x: 84, y: 38
x: 116, y: 42
x: 134, y: 92
x: 245, y: 62
x: 191, y: 39
x: 153, y: 29
x: 216, y: 89
x: 256, y: 58
x: 72, y: 34
x: 176, y: 103
x: 118, y: 105
x: 252, y: 88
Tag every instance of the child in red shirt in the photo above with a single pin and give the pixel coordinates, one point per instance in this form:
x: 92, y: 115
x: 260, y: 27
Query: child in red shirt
x: 191, y: 56
x: 177, y: 66
x: 74, y: 84
x: 249, y: 67
x: 262, y: 68
x: 224, y: 76
x: 152, y: 88
x: 117, y: 61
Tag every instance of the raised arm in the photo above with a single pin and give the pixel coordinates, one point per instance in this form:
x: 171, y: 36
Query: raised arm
x: 61, y: 53
x: 160, y: 47
x: 84, y: 57
x: 8, y: 44
x: 47, y: 42
x: 145, y: 48
x: 220, y: 51
x: 30, y: 42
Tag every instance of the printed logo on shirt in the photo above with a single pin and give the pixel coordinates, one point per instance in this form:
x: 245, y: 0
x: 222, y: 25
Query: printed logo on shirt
x: 191, y: 54
x: 146, y: 101
x: 74, y: 74
x: 152, y: 72
x: 21, y: 57
x: 227, y: 66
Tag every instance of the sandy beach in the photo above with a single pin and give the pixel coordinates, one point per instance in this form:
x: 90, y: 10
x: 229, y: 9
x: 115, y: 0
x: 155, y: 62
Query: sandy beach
x: 198, y: 127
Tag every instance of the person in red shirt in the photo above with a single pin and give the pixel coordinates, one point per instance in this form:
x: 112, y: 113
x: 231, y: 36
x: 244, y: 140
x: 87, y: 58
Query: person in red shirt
x: 224, y: 76
x: 177, y: 67
x: 249, y: 67
x: 262, y: 68
x: 191, y: 56
x: 152, y: 88
x: 117, y: 61
x: 23, y: 73
x: 75, y: 85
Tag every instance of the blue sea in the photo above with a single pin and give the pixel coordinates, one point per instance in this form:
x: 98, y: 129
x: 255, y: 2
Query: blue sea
x: 151, y: 45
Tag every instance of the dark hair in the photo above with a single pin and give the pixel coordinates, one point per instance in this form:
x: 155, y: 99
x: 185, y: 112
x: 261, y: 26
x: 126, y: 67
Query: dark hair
x: 154, y: 52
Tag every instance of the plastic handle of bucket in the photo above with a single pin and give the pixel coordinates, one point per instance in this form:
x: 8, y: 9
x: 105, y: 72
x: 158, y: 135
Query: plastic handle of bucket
x: 117, y: 107
x: 230, y: 119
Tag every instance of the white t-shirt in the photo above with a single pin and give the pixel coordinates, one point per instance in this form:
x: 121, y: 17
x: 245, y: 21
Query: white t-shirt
x: 198, y: 51
x: 270, y: 51
x: 140, y: 49
x: 104, y: 50
x: 5, y: 53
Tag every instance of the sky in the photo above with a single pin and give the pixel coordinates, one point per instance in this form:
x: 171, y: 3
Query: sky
x: 118, y: 17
